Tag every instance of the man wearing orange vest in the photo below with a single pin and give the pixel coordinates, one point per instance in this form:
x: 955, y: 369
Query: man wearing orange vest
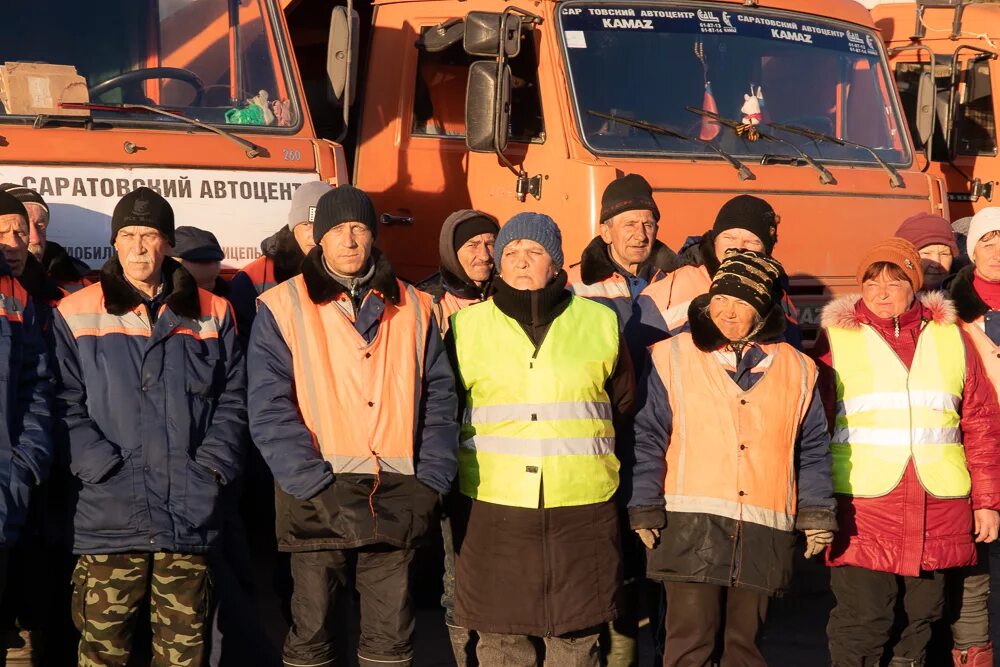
x: 467, y: 269
x: 615, y: 268
x: 744, y: 222
x: 732, y: 458
x: 281, y: 258
x: 354, y: 409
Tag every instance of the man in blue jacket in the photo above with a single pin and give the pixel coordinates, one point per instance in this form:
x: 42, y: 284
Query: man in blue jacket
x: 152, y: 397
x: 353, y: 405
x: 26, y: 391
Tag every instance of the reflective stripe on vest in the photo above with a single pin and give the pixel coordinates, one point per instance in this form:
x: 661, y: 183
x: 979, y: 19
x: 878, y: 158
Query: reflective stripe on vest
x: 732, y: 452
x: 886, y: 414
x: 615, y: 287
x: 537, y: 422
x: 358, y: 399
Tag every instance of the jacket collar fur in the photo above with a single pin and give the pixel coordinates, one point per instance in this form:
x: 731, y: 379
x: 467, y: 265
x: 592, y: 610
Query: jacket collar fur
x: 708, y: 338
x: 842, y: 312
x: 120, y: 297
x: 323, y: 288
x: 596, y: 264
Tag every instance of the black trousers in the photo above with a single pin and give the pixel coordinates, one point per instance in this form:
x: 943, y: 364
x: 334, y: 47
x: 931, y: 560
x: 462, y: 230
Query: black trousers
x: 381, y: 574
x: 861, y: 622
x: 695, y: 614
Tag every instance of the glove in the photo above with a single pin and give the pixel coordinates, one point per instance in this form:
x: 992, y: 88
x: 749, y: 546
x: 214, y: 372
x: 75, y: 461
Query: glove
x: 649, y: 536
x: 817, y: 540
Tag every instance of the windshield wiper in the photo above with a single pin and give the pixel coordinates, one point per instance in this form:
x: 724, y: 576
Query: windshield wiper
x: 252, y: 149
x: 895, y: 180
x: 825, y: 177
x: 744, y: 173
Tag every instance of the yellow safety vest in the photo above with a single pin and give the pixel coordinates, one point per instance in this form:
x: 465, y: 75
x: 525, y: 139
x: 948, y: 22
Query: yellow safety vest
x: 886, y: 414
x: 537, y: 423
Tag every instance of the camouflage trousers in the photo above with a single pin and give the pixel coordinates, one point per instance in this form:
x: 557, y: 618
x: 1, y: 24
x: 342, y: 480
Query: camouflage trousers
x: 108, y: 592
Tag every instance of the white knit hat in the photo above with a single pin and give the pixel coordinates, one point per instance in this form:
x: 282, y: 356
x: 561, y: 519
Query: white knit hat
x: 984, y: 222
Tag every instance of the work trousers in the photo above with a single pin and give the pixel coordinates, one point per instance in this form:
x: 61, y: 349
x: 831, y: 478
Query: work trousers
x: 694, y: 619
x: 967, y: 593
x: 862, y: 620
x: 463, y: 640
x: 108, y: 591
x: 578, y: 649
x: 381, y: 574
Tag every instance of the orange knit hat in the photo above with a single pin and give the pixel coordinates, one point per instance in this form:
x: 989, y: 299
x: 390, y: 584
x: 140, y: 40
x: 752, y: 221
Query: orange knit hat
x: 896, y: 251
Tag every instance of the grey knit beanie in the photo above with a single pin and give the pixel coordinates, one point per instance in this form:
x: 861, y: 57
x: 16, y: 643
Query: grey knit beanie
x: 304, y: 202
x: 536, y: 227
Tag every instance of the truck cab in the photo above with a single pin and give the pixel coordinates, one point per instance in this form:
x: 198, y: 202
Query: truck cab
x: 944, y: 58
x: 509, y: 106
x: 197, y: 99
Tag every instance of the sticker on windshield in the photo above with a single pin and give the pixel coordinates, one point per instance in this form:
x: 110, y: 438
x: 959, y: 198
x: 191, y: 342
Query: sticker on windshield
x: 582, y: 19
x: 576, y: 39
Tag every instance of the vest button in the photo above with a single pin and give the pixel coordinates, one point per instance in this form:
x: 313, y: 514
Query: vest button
x: 145, y: 388
x: 368, y: 355
x: 371, y: 404
x: 743, y: 446
x: 743, y: 401
x: 742, y: 493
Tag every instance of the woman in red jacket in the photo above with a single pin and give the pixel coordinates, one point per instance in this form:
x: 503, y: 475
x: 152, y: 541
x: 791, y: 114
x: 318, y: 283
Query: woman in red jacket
x: 916, y: 451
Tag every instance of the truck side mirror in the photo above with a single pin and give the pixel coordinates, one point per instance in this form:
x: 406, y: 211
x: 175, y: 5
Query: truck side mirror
x: 342, y: 55
x: 925, y: 111
x: 492, y: 34
x: 487, y: 107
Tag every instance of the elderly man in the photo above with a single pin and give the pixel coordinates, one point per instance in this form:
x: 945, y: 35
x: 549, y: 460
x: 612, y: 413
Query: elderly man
x: 466, y: 249
x: 744, y: 222
x: 281, y: 258
x: 152, y: 397
x: 538, y: 544
x: 626, y: 257
x: 69, y: 274
x: 352, y: 403
x: 614, y: 269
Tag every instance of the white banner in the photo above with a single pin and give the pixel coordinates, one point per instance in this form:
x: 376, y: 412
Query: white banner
x: 241, y: 208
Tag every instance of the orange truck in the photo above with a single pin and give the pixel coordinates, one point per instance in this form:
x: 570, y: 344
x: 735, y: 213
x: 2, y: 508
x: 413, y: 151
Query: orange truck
x: 538, y: 105
x: 944, y: 58
x: 197, y: 99
x: 225, y: 106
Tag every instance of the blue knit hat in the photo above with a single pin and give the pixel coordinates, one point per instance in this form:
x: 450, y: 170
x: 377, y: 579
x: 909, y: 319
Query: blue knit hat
x: 536, y: 227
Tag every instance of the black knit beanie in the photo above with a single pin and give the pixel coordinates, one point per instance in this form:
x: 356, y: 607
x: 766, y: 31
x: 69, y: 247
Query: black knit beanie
x: 344, y: 203
x: 749, y: 276
x: 628, y: 193
x: 473, y: 227
x: 752, y: 214
x: 24, y: 194
x: 143, y: 208
x: 10, y: 205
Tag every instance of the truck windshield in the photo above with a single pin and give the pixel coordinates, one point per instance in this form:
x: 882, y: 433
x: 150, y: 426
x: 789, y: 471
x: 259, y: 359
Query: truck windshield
x: 213, y: 60
x: 652, y: 62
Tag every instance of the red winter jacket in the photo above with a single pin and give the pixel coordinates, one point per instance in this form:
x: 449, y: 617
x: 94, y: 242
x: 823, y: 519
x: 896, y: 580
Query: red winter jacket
x: 908, y: 530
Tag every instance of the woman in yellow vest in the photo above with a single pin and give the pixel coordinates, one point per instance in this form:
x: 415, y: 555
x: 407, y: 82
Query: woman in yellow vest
x: 976, y: 293
x: 542, y: 374
x: 732, y: 438
x: 916, y: 455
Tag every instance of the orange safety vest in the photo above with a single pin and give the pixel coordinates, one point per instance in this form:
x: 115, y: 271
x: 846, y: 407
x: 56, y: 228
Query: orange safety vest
x: 674, y: 293
x: 448, y: 306
x: 732, y: 452
x: 13, y: 299
x: 987, y: 350
x: 358, y: 399
x: 261, y: 273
